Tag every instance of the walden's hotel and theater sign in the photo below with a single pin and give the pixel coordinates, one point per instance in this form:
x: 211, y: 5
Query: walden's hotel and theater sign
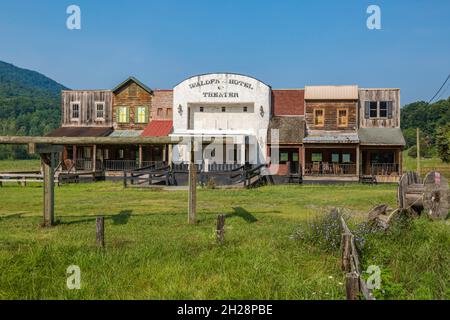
x: 318, y: 132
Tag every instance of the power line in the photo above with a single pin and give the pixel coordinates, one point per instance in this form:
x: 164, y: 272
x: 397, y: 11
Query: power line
x: 439, y: 89
x: 443, y: 92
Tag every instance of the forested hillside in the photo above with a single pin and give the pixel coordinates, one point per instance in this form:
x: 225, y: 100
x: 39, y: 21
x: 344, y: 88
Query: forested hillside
x: 433, y: 120
x: 29, y: 105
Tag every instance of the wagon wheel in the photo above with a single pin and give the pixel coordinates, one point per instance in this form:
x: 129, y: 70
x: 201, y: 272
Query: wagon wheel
x: 435, y: 198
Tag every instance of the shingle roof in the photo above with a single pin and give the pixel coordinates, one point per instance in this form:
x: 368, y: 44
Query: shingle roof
x: 291, y: 129
x: 158, y: 128
x: 81, y: 132
x: 381, y: 136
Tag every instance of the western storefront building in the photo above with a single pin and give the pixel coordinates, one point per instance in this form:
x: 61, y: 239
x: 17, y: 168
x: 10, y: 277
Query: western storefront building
x: 340, y: 133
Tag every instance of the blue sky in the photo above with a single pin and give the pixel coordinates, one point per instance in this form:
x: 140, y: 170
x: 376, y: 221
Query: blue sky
x: 286, y: 44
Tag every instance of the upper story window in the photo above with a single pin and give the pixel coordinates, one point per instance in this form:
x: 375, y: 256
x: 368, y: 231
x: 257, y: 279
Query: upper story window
x: 342, y: 117
x: 100, y: 110
x: 141, y: 115
x: 75, y: 110
x: 202, y: 109
x: 159, y: 112
x: 224, y: 109
x: 169, y: 113
x: 378, y: 109
x: 245, y: 109
x: 319, y: 120
x: 122, y: 114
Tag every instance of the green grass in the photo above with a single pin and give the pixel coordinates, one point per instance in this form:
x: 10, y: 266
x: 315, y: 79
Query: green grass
x: 20, y: 165
x: 152, y: 253
x: 426, y: 164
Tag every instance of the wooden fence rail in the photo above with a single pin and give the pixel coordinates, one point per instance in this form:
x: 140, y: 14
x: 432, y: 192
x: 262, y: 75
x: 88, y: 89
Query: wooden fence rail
x: 355, y: 285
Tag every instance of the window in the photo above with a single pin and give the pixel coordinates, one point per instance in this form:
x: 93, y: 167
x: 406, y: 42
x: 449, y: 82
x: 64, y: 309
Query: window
x: 346, y: 158
x: 120, y: 153
x: 318, y: 117
x: 316, y: 157
x: 141, y: 115
x: 122, y: 115
x: 106, y: 153
x: 159, y: 113
x: 373, y: 109
x: 100, y: 110
x: 284, y: 157
x: 169, y: 113
x: 202, y: 109
x: 335, y: 157
x: 245, y: 109
x: 383, y: 109
x: 379, y: 109
x: 295, y: 156
x: 342, y: 117
x: 86, y: 153
x: 75, y: 110
x: 224, y: 109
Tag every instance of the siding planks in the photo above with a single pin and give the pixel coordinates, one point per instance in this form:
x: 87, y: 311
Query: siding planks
x: 367, y: 95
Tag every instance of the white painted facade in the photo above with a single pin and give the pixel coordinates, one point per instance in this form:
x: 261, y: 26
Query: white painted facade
x: 223, y: 105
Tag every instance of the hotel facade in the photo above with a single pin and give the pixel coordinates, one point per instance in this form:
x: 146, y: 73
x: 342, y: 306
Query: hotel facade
x: 340, y: 133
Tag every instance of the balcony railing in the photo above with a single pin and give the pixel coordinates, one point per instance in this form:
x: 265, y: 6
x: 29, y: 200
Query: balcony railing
x: 385, y: 169
x: 330, y: 169
x: 127, y: 165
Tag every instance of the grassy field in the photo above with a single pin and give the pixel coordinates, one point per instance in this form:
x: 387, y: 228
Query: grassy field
x: 427, y: 164
x: 152, y: 253
x: 19, y: 165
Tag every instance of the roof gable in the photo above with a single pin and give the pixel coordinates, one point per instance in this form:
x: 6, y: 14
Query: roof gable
x: 132, y: 80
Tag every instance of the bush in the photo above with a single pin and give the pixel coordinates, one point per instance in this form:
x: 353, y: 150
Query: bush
x: 322, y: 231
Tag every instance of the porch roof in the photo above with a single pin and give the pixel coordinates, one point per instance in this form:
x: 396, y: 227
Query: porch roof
x: 81, y: 132
x: 291, y: 129
x: 158, y: 128
x: 125, y: 133
x: 331, y: 137
x: 381, y: 136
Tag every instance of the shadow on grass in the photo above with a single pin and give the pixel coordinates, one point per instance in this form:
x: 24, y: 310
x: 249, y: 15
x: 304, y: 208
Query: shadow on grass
x: 12, y: 216
x: 121, y: 218
x: 242, y: 213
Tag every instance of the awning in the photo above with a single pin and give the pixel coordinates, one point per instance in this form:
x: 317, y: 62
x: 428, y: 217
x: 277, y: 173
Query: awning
x: 381, y: 136
x: 81, y: 132
x: 125, y: 133
x: 331, y: 137
x: 158, y: 128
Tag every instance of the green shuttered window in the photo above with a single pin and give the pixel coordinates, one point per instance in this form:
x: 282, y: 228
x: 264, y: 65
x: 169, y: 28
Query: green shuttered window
x: 141, y: 115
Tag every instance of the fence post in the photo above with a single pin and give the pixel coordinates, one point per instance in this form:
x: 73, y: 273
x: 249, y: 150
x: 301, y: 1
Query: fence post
x: 346, y: 252
x: 100, y: 232
x: 220, y: 228
x: 352, y: 285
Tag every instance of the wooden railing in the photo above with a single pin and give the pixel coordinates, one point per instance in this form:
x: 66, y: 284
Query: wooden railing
x: 330, y: 169
x: 385, y: 169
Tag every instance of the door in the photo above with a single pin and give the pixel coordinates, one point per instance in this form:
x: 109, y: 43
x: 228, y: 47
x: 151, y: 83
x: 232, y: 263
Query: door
x: 291, y: 157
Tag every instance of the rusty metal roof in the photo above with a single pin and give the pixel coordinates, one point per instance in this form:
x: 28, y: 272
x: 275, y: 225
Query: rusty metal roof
x: 81, y: 132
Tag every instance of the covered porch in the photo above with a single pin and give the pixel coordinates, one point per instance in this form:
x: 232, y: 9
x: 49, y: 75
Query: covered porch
x: 331, y: 162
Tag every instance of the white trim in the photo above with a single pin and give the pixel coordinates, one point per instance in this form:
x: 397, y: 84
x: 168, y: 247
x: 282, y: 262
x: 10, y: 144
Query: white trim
x: 96, y: 103
x: 71, y: 111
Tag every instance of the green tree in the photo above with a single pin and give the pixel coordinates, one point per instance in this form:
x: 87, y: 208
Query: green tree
x: 443, y: 143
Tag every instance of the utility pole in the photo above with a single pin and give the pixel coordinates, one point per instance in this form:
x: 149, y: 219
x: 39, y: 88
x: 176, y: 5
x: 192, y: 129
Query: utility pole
x: 418, y: 150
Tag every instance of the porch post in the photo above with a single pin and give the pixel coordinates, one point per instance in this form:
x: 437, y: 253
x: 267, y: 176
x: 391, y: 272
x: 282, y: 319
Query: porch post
x: 400, y: 161
x: 164, y: 151
x: 358, y: 159
x: 303, y: 159
x: 94, y: 158
x: 140, y: 156
x: 170, y: 155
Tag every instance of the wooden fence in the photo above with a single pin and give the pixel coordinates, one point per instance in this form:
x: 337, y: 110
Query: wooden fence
x: 355, y: 285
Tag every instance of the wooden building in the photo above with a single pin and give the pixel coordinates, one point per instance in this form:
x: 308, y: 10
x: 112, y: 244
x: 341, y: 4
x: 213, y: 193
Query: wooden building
x: 332, y: 133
